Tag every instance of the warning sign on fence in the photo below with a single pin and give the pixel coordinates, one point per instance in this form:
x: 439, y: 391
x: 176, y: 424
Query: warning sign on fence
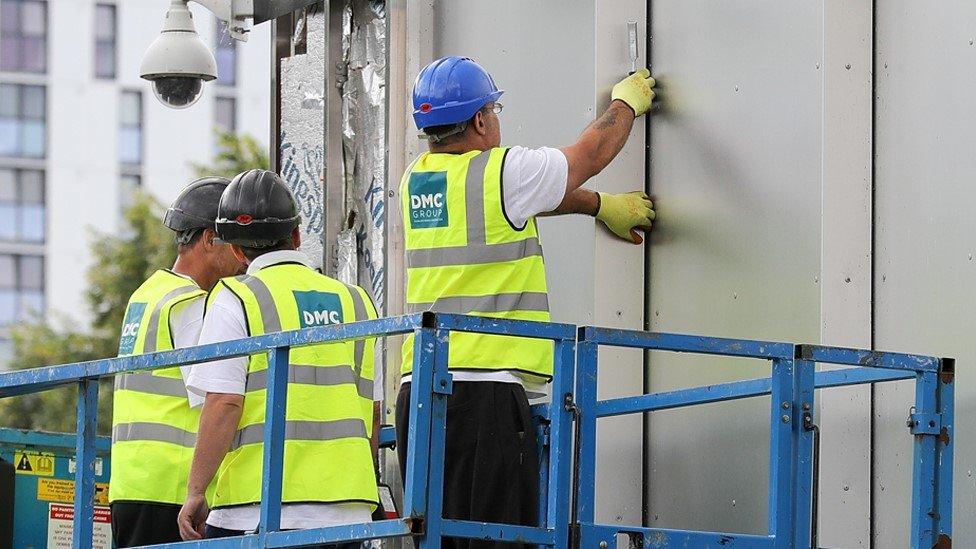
x: 28, y: 462
x: 60, y: 527
x: 63, y: 491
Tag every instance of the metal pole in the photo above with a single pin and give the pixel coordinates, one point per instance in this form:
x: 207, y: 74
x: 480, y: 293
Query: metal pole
x: 440, y: 390
x: 558, y: 494
x: 418, y: 430
x: 925, y: 468
x: 804, y: 490
x: 944, y: 447
x: 274, y: 441
x: 85, y: 459
x: 782, y: 452
x: 584, y: 491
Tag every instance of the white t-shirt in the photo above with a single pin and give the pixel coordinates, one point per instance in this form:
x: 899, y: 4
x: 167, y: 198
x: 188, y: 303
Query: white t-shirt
x: 225, y: 321
x: 534, y: 182
x: 185, y: 321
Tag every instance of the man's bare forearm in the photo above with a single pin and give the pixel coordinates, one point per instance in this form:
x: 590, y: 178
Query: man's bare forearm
x: 598, y: 145
x: 218, y: 424
x: 579, y: 201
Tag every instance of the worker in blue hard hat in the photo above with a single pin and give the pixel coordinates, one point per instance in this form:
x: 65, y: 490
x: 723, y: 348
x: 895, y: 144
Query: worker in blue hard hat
x: 472, y: 247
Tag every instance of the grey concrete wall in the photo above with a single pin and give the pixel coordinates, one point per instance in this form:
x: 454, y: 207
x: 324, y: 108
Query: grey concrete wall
x: 736, y: 168
x: 925, y: 274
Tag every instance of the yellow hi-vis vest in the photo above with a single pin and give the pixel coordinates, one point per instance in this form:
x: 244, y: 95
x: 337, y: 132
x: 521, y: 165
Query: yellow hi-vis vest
x: 329, y: 409
x: 153, y: 427
x: 464, y: 256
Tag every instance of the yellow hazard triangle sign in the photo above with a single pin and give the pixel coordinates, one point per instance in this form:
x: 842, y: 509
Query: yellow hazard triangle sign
x: 34, y: 463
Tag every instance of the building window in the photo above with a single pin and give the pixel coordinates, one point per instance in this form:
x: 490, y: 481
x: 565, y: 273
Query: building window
x: 129, y: 185
x: 23, y: 35
x: 130, y: 128
x: 22, y: 205
x: 225, y: 51
x: 22, y: 114
x: 105, y: 47
x: 225, y: 114
x: 21, y: 287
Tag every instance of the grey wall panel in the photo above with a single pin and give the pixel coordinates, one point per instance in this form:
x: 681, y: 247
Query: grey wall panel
x: 736, y: 168
x: 925, y: 274
x: 844, y: 414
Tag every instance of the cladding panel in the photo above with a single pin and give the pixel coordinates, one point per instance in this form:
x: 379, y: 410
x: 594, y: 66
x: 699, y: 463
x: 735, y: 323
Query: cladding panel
x: 925, y: 236
x: 736, y: 165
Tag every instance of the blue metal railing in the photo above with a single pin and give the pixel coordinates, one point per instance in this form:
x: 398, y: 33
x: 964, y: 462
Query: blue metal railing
x: 791, y: 386
x: 567, y: 507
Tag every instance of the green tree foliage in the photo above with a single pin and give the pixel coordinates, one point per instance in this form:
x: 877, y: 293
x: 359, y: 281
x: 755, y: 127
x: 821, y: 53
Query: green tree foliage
x: 120, y: 263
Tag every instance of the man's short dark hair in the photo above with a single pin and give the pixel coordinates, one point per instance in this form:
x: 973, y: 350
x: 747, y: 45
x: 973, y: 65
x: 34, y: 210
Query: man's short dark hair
x: 186, y: 240
x: 253, y: 253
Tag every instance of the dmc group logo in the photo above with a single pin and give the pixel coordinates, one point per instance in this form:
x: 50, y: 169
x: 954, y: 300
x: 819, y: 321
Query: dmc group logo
x: 130, y: 327
x: 318, y: 308
x: 321, y: 318
x: 428, y: 200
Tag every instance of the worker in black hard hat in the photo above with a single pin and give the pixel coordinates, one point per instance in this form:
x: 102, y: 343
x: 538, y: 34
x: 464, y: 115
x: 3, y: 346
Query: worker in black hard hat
x: 328, y: 468
x: 153, y: 424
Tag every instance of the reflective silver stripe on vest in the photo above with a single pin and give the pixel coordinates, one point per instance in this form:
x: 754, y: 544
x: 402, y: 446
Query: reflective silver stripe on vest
x: 501, y: 303
x: 359, y: 307
x: 305, y: 430
x: 473, y: 255
x: 311, y: 375
x: 153, y: 432
x: 151, y: 344
x: 148, y: 383
x: 266, y: 303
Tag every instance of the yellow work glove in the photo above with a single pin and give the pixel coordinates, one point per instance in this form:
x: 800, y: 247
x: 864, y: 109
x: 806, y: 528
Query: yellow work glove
x: 637, y: 90
x: 624, y: 213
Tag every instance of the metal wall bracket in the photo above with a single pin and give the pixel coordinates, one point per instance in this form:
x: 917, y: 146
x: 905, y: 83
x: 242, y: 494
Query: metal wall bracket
x: 925, y: 424
x: 443, y: 383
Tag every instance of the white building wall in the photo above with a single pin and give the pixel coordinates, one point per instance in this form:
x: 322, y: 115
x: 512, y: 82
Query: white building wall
x: 83, y: 168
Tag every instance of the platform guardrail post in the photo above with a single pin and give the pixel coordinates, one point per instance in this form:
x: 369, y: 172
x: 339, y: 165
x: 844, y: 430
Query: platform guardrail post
x: 439, y: 388
x: 783, y: 451
x: 587, y: 376
x: 925, y: 468
x: 805, y: 372
x: 87, y: 423
x: 947, y: 370
x: 558, y: 491
x: 274, y: 441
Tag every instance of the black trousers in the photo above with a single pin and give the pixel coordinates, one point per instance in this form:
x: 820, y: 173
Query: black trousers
x: 491, y: 461
x: 217, y: 532
x: 135, y: 524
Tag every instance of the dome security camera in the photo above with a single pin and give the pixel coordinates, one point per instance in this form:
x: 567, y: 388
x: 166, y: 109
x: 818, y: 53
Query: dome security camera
x: 178, y: 62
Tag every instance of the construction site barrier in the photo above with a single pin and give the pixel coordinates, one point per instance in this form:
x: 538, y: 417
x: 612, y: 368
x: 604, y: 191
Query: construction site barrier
x: 566, y: 427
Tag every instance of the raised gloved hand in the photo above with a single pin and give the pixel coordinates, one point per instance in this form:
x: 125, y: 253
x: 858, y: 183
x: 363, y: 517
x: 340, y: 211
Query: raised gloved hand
x: 637, y: 90
x: 624, y: 213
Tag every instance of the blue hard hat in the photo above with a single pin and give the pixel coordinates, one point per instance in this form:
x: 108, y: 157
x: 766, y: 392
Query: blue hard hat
x: 450, y: 91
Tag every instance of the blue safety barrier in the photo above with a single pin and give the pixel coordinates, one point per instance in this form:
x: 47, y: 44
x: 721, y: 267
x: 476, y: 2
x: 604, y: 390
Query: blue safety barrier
x: 791, y: 385
x: 566, y: 516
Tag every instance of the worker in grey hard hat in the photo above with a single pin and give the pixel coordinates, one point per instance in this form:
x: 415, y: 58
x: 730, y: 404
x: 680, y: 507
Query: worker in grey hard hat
x: 153, y: 424
x: 328, y: 475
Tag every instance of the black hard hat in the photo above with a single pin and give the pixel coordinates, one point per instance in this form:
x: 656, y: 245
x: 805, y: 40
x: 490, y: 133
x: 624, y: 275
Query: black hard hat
x: 256, y: 210
x: 196, y: 207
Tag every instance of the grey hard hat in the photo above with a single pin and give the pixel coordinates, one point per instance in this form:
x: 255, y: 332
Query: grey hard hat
x: 196, y: 207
